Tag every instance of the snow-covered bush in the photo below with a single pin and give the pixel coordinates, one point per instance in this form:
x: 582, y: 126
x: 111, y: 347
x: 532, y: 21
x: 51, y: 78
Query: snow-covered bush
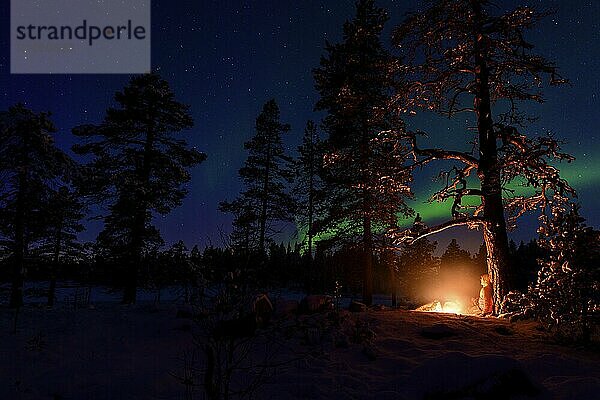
x: 518, y: 305
x: 566, y: 295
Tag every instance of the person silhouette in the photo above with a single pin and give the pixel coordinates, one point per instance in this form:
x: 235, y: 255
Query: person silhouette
x: 486, y: 299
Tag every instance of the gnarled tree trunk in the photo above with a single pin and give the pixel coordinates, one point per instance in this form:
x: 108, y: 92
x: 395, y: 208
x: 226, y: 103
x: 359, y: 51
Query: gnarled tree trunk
x: 494, y: 234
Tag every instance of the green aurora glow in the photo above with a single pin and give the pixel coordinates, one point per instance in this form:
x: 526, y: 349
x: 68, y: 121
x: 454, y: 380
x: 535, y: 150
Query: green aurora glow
x: 579, y: 175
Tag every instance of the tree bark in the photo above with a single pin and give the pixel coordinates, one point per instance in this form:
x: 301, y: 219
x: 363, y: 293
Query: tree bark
x: 495, y: 234
x: 496, y: 243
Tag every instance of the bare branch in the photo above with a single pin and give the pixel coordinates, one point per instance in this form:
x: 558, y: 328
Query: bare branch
x: 441, y: 154
x: 419, y: 231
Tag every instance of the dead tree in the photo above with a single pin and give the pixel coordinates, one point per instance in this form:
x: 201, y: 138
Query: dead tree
x: 461, y: 58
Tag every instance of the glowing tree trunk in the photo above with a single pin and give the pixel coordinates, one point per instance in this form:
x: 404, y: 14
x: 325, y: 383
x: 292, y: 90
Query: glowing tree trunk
x: 494, y: 228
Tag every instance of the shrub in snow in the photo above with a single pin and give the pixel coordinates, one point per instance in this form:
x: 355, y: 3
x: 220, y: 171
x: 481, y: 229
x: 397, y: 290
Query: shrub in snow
x: 517, y: 306
x: 238, y: 351
x: 566, y: 295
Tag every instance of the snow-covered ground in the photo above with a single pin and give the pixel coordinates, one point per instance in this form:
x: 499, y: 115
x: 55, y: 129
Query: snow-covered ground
x: 133, y: 352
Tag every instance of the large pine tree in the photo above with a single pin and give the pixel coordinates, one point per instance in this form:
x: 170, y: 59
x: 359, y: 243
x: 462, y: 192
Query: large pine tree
x: 265, y: 201
x: 461, y: 57
x: 364, y: 164
x: 30, y: 166
x: 139, y: 167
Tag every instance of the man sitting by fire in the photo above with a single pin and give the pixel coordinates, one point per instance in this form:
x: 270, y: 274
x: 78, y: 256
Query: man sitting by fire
x: 485, y: 303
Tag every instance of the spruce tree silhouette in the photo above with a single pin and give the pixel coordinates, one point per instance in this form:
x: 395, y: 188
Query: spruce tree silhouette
x: 139, y: 167
x: 365, y: 148
x: 32, y: 166
x: 266, y: 174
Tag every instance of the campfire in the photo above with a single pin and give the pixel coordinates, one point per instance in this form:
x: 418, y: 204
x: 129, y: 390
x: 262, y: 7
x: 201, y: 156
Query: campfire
x: 452, y: 292
x: 450, y: 307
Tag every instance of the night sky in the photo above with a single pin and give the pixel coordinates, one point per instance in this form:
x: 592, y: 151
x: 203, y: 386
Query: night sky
x: 226, y: 58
